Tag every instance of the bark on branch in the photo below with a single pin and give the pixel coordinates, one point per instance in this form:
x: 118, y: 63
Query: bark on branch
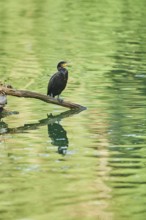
x: 45, y: 98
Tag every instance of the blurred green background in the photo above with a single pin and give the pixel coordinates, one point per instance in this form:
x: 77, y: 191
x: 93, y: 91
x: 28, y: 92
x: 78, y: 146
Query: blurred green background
x: 91, y: 165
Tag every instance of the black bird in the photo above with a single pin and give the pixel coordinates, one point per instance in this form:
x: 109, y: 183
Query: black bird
x: 58, y: 81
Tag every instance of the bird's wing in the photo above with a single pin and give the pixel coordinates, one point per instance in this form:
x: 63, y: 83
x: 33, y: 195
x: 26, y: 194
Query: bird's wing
x: 53, y: 79
x: 52, y: 82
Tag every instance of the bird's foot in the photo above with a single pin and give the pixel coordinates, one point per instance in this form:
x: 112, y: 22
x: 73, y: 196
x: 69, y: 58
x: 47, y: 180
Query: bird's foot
x: 51, y: 95
x: 60, y: 100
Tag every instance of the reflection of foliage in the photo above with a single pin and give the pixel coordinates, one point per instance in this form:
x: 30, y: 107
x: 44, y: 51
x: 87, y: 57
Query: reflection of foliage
x: 127, y: 96
x: 3, y: 127
x: 4, y: 113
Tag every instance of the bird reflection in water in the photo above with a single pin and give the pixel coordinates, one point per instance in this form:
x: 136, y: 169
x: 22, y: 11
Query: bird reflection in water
x: 55, y: 130
x: 58, y: 136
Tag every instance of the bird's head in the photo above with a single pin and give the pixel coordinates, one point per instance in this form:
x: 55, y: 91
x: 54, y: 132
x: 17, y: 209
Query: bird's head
x: 62, y: 64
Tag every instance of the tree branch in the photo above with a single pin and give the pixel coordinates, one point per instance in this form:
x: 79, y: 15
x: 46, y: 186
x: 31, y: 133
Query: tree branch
x: 45, y: 98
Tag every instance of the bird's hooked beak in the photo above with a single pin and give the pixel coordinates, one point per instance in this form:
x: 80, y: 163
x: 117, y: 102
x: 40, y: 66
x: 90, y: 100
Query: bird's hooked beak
x: 64, y: 65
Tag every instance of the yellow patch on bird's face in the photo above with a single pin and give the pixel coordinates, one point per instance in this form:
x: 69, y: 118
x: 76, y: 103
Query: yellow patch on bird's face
x: 64, y: 65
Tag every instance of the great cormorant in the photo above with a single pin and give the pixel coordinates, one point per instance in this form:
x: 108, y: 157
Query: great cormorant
x: 58, y: 81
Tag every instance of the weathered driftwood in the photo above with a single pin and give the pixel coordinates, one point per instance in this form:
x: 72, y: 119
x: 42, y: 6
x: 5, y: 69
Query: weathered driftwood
x: 45, y: 98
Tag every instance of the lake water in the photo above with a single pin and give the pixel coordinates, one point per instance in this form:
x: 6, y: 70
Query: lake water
x: 63, y: 165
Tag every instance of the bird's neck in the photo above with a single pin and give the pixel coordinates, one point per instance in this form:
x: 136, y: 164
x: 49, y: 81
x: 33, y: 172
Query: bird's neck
x: 61, y: 68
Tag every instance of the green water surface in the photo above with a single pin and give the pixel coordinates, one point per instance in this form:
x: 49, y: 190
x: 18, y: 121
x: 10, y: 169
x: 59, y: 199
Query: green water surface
x: 62, y: 165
